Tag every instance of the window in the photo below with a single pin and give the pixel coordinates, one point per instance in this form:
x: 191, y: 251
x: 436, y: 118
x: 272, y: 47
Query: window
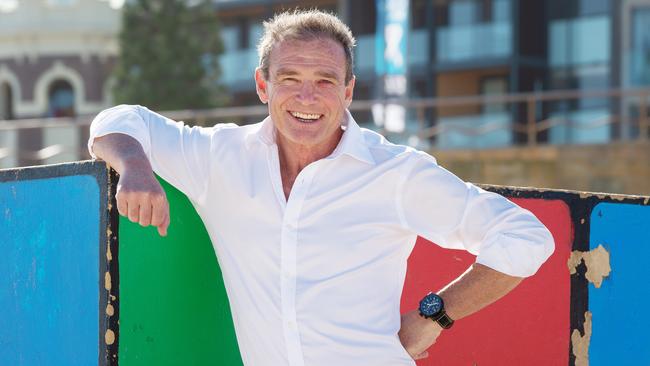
x: 464, y: 12
x: 640, y: 70
x: 61, y: 99
x: 494, y: 85
x: 230, y: 38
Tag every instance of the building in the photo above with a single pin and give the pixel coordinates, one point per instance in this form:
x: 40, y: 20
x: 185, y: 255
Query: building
x: 486, y: 47
x: 56, y: 57
x: 55, y: 61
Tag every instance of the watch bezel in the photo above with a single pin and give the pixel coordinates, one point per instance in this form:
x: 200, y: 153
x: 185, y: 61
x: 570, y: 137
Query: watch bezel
x: 441, y: 317
x: 440, y: 309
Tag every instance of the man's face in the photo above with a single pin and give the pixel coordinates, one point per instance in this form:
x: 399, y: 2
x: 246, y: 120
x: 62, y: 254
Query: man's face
x: 306, y: 91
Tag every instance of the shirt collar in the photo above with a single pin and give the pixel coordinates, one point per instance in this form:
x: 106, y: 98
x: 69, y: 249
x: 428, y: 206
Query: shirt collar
x: 352, y: 142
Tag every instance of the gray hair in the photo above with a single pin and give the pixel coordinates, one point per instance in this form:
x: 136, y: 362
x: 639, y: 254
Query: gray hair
x: 305, y: 25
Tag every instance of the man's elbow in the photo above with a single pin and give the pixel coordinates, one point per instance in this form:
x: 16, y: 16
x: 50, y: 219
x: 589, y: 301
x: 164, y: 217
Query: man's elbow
x: 548, y: 243
x: 542, y: 247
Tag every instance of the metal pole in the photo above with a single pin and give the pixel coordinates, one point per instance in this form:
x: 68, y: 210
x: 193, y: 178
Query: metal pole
x: 531, y: 127
x: 643, y: 117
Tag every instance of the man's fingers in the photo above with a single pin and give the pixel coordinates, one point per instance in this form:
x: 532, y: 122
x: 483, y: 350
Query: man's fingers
x: 145, y: 214
x: 422, y: 355
x: 134, y: 211
x: 160, y: 209
x: 162, y: 229
x: 121, y: 206
x: 160, y: 215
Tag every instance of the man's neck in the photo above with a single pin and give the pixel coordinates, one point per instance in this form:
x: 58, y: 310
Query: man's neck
x: 295, y: 157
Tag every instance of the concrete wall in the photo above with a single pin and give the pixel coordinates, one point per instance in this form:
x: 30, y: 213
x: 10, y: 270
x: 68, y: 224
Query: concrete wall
x: 620, y: 167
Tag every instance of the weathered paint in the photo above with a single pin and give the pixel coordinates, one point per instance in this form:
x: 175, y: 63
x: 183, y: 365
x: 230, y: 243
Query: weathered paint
x: 49, y: 289
x: 580, y: 342
x: 596, y: 261
x: 620, y: 318
x: 529, y: 326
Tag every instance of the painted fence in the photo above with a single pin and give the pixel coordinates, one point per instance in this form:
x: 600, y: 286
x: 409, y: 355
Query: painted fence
x: 58, y: 259
x: 585, y: 305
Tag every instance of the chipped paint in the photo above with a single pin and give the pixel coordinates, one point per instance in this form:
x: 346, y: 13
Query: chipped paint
x: 580, y: 342
x: 582, y: 221
x: 110, y: 310
x: 109, y: 254
x: 109, y: 337
x: 113, y: 298
x: 596, y: 261
x: 574, y: 261
x: 645, y: 201
x: 107, y: 280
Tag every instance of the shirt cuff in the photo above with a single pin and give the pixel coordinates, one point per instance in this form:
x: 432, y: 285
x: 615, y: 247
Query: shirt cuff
x: 124, y: 119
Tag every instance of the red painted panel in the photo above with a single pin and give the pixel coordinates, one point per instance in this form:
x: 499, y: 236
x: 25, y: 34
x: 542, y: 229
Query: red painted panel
x: 529, y: 326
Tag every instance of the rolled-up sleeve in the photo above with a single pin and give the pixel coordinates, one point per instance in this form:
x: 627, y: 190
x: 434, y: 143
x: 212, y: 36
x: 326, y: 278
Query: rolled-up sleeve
x: 179, y: 154
x: 440, y: 207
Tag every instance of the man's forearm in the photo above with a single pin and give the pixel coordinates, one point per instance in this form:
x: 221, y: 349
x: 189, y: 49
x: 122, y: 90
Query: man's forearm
x: 478, y: 287
x: 121, y: 151
x: 139, y: 195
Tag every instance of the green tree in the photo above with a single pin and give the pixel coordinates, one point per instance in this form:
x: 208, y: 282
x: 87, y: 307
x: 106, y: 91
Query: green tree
x: 169, y: 55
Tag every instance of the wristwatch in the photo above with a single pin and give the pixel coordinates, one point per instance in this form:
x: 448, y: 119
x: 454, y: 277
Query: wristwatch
x: 432, y: 307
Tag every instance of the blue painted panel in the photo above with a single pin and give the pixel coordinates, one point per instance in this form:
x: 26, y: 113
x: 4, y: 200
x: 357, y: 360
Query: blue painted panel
x: 619, y: 307
x: 49, y: 258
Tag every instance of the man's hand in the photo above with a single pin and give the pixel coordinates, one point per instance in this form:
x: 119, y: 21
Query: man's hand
x: 139, y: 195
x: 141, y: 198
x: 417, y: 334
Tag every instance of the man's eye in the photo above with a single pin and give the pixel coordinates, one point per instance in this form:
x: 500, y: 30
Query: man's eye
x: 325, y: 82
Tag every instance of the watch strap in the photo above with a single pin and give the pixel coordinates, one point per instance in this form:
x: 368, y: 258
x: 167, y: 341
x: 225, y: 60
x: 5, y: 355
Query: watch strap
x: 443, y: 320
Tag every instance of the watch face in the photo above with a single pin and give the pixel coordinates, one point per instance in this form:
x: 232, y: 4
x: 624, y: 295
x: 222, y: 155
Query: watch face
x: 431, y: 305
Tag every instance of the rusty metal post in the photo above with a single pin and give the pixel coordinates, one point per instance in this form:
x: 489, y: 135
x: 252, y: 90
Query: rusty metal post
x: 530, y: 123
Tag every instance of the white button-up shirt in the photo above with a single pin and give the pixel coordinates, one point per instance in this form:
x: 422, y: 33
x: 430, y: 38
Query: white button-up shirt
x: 317, y: 279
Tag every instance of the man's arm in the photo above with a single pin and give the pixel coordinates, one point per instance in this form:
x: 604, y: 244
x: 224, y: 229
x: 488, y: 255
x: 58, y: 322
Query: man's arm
x: 510, y: 242
x: 139, y: 195
x: 475, y: 289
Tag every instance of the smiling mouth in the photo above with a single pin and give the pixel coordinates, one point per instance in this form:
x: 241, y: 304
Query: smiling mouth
x: 306, y: 117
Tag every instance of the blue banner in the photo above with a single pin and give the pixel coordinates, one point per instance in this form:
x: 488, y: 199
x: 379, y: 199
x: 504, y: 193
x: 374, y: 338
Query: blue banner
x: 391, y: 40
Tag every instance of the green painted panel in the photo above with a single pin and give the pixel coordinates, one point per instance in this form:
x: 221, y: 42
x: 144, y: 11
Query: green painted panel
x: 174, y: 308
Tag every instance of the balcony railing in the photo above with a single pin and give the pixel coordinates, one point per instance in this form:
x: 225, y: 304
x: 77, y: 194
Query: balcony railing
x: 524, y: 119
x: 418, y: 51
x: 472, y: 42
x: 238, y: 66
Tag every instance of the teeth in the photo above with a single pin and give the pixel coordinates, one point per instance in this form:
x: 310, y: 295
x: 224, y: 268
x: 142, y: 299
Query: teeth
x: 305, y: 115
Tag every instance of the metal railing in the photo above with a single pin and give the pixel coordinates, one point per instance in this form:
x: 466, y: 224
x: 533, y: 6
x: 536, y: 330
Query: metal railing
x: 522, y: 119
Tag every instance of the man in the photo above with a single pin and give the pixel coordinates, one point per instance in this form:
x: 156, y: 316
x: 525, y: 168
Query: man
x: 313, y: 218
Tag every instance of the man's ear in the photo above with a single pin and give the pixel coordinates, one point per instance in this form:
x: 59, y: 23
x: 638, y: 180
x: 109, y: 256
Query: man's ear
x: 349, y: 91
x: 260, y: 86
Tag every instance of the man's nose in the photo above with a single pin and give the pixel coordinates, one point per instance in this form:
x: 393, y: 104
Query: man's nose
x: 307, y: 93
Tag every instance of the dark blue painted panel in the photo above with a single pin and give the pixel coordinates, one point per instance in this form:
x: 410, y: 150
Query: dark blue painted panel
x: 619, y: 307
x: 49, y: 258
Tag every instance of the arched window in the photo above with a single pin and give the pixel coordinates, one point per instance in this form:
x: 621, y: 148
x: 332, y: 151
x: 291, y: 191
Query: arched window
x: 60, y: 99
x: 6, y: 102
